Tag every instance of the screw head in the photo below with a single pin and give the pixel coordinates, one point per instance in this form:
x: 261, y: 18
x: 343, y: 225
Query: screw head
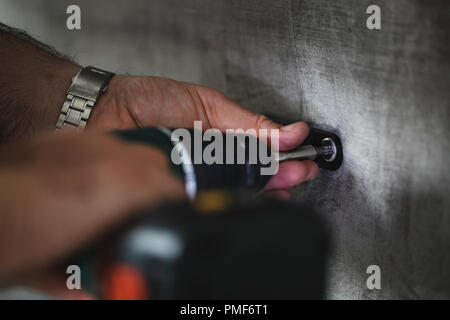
x: 329, y: 143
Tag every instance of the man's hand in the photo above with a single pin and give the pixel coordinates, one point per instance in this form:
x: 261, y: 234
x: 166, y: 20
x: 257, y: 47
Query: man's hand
x: 151, y: 101
x: 30, y: 105
x: 58, y: 192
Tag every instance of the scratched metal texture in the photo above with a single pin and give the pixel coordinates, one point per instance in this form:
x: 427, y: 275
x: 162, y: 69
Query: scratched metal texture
x: 386, y: 92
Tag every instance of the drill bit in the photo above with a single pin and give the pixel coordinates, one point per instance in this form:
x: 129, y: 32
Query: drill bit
x: 327, y: 151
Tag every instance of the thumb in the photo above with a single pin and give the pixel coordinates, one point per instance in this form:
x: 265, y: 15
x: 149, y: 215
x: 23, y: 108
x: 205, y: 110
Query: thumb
x: 229, y: 115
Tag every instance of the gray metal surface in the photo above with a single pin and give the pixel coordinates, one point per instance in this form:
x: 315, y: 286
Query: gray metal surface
x: 386, y: 91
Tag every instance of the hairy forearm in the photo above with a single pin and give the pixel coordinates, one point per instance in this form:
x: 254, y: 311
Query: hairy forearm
x: 33, y: 81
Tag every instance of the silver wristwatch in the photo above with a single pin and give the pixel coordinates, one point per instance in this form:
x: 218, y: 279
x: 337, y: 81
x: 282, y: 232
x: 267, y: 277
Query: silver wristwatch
x: 84, y: 91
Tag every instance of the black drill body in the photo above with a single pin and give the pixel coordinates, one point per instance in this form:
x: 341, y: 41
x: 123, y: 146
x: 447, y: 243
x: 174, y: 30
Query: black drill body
x: 237, y: 174
x: 242, y: 249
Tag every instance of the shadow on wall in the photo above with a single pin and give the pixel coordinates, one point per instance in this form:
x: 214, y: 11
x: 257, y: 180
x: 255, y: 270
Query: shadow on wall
x: 408, y: 247
x: 394, y: 234
x: 255, y: 95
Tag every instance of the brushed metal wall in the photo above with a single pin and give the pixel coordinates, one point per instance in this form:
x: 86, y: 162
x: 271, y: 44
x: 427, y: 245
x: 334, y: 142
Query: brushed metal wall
x: 386, y: 92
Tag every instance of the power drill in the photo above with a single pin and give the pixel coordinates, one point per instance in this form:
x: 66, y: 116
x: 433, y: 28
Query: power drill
x: 224, y: 243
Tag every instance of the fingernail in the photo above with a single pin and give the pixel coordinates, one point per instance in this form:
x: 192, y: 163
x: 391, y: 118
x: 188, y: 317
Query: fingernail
x: 289, y: 128
x: 311, y: 175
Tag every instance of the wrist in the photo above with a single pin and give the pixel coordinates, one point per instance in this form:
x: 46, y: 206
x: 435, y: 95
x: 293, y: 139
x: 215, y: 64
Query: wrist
x: 110, y: 111
x: 32, y: 100
x: 52, y: 88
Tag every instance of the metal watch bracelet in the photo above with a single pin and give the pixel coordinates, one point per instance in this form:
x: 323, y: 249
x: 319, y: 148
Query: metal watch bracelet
x: 83, y: 92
